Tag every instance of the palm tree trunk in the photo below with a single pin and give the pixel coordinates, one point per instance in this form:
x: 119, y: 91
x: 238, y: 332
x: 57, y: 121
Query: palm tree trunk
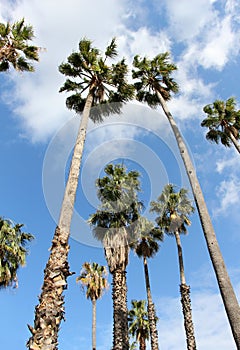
x: 142, y: 343
x: 94, y: 304
x: 224, y: 283
x: 234, y: 141
x: 50, y: 310
x: 120, y: 311
x: 150, y: 309
x: 185, y: 300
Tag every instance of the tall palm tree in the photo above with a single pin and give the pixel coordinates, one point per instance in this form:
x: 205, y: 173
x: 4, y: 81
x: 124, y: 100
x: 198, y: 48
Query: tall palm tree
x: 93, y: 277
x: 155, y: 86
x: 14, y: 47
x: 13, y: 251
x: 138, y: 323
x: 173, y: 209
x: 91, y: 74
x: 223, y: 122
x: 146, y: 247
x: 113, y: 225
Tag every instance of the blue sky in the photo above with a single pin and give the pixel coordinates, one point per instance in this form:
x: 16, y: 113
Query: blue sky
x: 37, y: 134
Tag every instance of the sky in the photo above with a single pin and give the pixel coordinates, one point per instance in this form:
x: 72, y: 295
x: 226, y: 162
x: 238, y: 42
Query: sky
x: 37, y: 135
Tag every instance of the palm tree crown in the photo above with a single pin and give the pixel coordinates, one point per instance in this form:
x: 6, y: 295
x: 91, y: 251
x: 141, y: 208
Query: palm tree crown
x: 14, y: 48
x: 173, y: 209
x: 138, y: 321
x: 154, y: 75
x: 13, y: 251
x: 93, y: 277
x: 222, y: 119
x: 89, y: 72
x: 114, y: 222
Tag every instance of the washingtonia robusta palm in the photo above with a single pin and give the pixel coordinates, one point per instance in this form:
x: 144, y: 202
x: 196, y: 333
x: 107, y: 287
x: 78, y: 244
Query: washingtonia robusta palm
x: 113, y: 224
x: 93, y: 82
x: 138, y: 323
x: 94, y: 278
x: 13, y: 251
x: 14, y: 47
x: 154, y: 86
x: 146, y: 247
x: 223, y: 122
x: 173, y: 209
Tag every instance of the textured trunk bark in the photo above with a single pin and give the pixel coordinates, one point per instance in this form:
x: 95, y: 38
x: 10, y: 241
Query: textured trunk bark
x: 224, y: 283
x: 142, y: 343
x: 50, y: 310
x: 187, y: 313
x: 150, y: 309
x: 120, y: 311
x: 185, y: 300
x: 94, y: 306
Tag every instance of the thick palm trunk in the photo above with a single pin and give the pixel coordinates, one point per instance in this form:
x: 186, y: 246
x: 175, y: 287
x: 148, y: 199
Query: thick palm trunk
x: 185, y: 300
x: 120, y: 311
x: 150, y: 309
x: 94, y: 305
x: 50, y: 310
x: 224, y: 283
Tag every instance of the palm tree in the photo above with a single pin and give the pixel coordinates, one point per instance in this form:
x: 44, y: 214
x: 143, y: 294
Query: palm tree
x: 95, y: 76
x: 113, y: 225
x: 154, y: 86
x: 93, y: 277
x: 14, y: 47
x: 146, y: 247
x: 173, y: 209
x: 223, y: 122
x: 13, y: 251
x: 138, y: 323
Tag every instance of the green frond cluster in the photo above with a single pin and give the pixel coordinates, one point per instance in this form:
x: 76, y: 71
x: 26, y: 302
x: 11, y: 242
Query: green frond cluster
x: 139, y: 327
x: 146, y: 244
x: 14, y: 48
x: 114, y: 222
x: 154, y: 76
x: 222, y: 119
x: 12, y: 251
x: 90, y: 73
x: 173, y: 209
x: 94, y: 278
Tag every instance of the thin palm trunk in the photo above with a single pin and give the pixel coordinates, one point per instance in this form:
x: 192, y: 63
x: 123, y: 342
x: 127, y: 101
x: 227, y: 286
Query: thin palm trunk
x: 234, y: 141
x: 50, y: 310
x: 185, y: 299
x: 151, y: 309
x: 120, y: 311
x: 94, y: 306
x: 142, y: 343
x: 224, y: 283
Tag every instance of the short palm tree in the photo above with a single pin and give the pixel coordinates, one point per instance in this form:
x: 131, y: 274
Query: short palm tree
x: 223, y: 122
x: 102, y: 83
x: 93, y: 278
x: 173, y: 209
x: 146, y: 247
x: 113, y: 225
x: 14, y: 47
x: 138, y: 323
x: 13, y: 251
x: 154, y: 86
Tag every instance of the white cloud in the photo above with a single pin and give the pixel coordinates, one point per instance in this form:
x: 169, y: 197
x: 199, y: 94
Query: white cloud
x: 187, y: 19
x: 228, y: 193
x: 211, y: 326
x: 228, y: 163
